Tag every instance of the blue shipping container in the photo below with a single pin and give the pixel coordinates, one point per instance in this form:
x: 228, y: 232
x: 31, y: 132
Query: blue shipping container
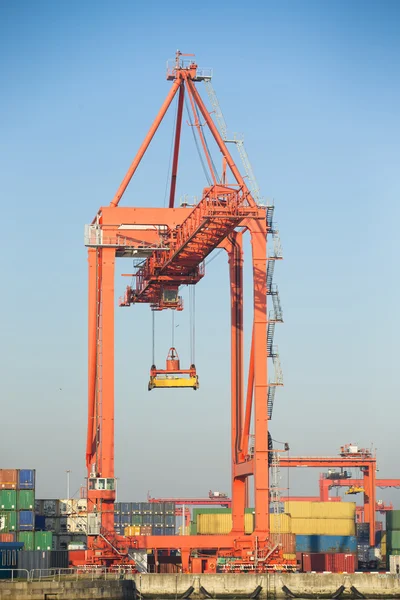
x: 169, y: 520
x: 136, y: 510
x: 117, y: 519
x: 158, y: 530
x: 26, y: 520
x: 147, y: 519
x: 40, y: 523
x: 26, y: 479
x: 9, y: 558
x: 326, y: 543
x: 117, y: 508
x: 169, y: 531
x: 125, y: 520
x: 125, y: 508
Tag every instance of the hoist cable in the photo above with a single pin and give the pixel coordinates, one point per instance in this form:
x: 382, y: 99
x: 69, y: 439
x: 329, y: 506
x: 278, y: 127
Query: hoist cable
x: 173, y: 329
x: 153, y: 318
x: 197, y: 143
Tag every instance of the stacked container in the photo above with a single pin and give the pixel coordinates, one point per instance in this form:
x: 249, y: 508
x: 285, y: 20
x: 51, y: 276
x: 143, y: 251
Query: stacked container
x: 150, y: 518
x: 392, y: 536
x: 62, y: 521
x: 17, y: 504
x: 322, y: 518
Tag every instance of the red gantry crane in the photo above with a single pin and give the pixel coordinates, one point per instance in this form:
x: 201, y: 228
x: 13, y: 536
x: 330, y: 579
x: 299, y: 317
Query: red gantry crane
x: 174, y: 243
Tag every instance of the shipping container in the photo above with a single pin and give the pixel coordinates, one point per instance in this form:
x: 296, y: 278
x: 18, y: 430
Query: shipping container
x: 52, y: 524
x: 7, y: 538
x: 39, y: 507
x: 117, y: 508
x: 169, y: 508
x: 321, y: 510
x: 393, y: 539
x: 158, y: 530
x: 39, y: 559
x: 26, y: 520
x: 26, y: 479
x: 125, y: 520
x: 326, y: 543
x: 8, y: 500
x: 137, y: 519
x: 145, y: 508
x: 25, y: 500
x: 169, y: 531
x: 132, y: 531
x: 147, y: 519
x: 8, y: 521
x: 146, y: 530
x: 158, y: 520
x: 221, y: 523
x: 40, y: 523
x: 43, y: 540
x: 393, y: 520
x: 157, y: 508
x: 334, y: 563
x: 117, y: 519
x: 51, y: 508
x: 344, y: 527
x: 9, y: 558
x: 93, y: 524
x: 77, y: 524
x: 286, y: 540
x: 169, y: 520
x: 135, y: 508
x: 27, y: 538
x: 126, y: 508
x: 8, y: 479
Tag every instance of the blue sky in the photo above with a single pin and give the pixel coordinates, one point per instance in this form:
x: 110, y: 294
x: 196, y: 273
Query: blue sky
x: 314, y: 88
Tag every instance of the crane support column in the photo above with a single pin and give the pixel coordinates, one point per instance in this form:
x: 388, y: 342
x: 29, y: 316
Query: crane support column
x: 235, y: 253
x: 261, y: 471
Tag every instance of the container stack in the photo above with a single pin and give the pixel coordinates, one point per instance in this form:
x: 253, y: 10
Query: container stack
x: 322, y: 518
x: 363, y: 546
x: 64, y: 520
x: 144, y: 518
x: 17, y: 506
x: 393, y: 537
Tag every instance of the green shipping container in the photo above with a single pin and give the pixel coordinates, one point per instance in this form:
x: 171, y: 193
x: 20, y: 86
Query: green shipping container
x: 4, y: 522
x: 393, y: 540
x: 8, y: 500
x: 43, y: 540
x: 137, y: 520
x: 26, y: 500
x: 393, y: 520
x: 27, y: 537
x: 11, y: 521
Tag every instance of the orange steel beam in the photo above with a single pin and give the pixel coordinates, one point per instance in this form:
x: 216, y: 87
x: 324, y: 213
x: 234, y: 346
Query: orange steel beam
x: 244, y: 445
x: 145, y: 144
x: 235, y: 254
x: 176, y: 146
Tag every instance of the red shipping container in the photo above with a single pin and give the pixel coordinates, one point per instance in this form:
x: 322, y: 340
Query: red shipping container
x: 313, y: 562
x: 146, y: 530
x: 8, y: 479
x: 340, y: 563
x: 7, y: 537
x: 288, y: 541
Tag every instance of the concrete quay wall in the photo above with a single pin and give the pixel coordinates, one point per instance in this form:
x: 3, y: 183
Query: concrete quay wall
x: 221, y: 586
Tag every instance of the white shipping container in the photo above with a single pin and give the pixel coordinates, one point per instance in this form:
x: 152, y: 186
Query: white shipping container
x: 394, y: 564
x: 76, y: 524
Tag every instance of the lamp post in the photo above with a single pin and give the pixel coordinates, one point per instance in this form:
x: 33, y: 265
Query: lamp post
x: 68, y: 471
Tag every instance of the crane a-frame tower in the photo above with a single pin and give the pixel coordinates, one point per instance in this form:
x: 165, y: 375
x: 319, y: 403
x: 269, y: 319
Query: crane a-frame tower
x: 174, y: 243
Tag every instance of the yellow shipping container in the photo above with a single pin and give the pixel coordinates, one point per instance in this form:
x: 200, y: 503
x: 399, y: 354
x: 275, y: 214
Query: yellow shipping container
x: 321, y: 510
x: 323, y: 527
x: 290, y: 556
x: 221, y: 523
x: 131, y: 531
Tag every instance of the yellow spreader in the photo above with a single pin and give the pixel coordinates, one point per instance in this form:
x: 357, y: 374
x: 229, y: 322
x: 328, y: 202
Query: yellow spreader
x: 173, y: 376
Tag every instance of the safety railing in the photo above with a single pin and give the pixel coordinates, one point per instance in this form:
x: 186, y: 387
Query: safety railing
x: 14, y: 574
x: 73, y: 573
